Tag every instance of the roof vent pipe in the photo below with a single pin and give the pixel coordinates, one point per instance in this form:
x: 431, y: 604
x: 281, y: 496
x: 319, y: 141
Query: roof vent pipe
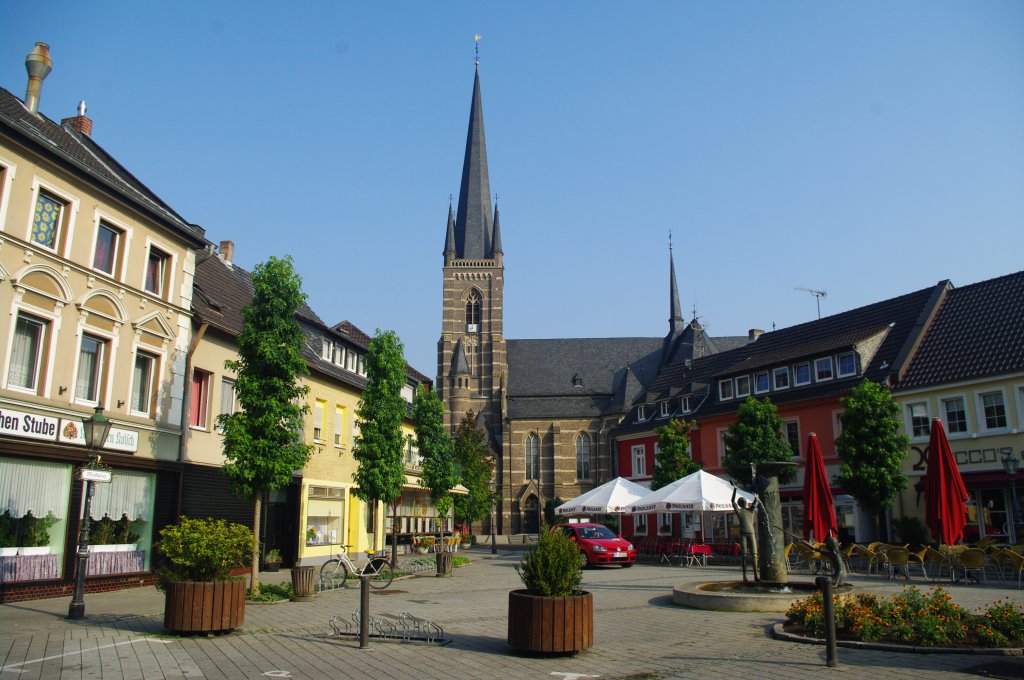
x: 38, y: 64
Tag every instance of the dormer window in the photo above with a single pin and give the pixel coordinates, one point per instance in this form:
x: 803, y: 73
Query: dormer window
x: 664, y: 409
x: 725, y: 389
x: 761, y: 382
x: 846, y: 364
x: 743, y: 386
x: 684, y: 404
x: 802, y: 374
x: 640, y: 416
x: 823, y: 369
x: 780, y: 377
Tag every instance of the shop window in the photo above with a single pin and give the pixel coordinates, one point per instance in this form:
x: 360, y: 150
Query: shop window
x: 325, y: 508
x: 34, y: 498
x: 121, y: 526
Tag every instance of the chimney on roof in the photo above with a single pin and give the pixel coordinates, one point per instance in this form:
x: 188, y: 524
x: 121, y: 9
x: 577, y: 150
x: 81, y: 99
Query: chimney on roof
x: 227, y: 251
x: 80, y: 123
x: 754, y: 334
x: 38, y: 64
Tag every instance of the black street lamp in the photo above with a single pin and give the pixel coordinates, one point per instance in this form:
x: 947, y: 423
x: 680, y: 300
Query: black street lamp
x: 95, y: 429
x: 1011, y: 464
x: 492, y: 486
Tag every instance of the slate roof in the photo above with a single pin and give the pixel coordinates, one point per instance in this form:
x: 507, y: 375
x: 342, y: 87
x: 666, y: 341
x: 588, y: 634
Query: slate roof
x: 222, y: 290
x: 473, y: 227
x: 901, y: 320
x: 88, y: 159
x: 978, y: 333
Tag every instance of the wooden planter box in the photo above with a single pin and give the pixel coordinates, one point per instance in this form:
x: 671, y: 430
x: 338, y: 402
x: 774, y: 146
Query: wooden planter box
x: 550, y: 625
x: 204, y: 607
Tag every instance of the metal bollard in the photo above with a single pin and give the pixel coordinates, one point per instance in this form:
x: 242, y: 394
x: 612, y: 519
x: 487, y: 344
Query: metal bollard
x: 364, y: 611
x: 825, y: 585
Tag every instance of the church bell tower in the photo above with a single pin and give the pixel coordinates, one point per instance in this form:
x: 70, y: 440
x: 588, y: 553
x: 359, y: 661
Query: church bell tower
x: 471, y: 355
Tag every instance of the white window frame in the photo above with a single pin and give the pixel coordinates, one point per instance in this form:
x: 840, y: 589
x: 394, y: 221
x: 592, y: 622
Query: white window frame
x: 663, y: 409
x: 684, y: 404
x: 983, y: 419
x: 831, y: 369
x: 720, y: 441
x: 339, y: 426
x: 584, y: 445
x: 908, y: 414
x: 326, y: 349
x: 121, y: 251
x: 640, y: 524
x: 44, y: 354
x: 943, y: 400
x: 839, y: 364
x: 796, y: 374
x: 780, y: 371
x: 662, y: 519
x: 767, y: 382
x: 837, y: 424
x: 155, y: 380
x: 742, y: 391
x: 319, y: 413
x: 641, y: 415
x: 71, y: 204
x: 1019, y: 394
x: 7, y: 175
x: 639, y: 456
x: 657, y: 450
x: 225, y: 384
x: 725, y: 389
x: 105, y: 367
x: 170, y: 264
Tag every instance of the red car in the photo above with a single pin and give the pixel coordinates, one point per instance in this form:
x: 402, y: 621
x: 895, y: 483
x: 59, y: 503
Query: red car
x: 599, y: 544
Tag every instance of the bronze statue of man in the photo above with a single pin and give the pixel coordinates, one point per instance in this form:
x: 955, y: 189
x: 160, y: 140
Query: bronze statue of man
x: 745, y: 513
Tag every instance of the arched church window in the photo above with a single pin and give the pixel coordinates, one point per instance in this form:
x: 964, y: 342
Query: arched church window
x: 583, y: 456
x: 532, y: 456
x: 473, y: 312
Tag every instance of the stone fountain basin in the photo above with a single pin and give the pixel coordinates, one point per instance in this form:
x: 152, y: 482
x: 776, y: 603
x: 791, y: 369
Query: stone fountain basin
x: 737, y: 596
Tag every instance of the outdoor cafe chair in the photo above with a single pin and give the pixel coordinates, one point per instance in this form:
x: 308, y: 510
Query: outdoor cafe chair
x: 1016, y: 565
x: 972, y: 560
x: 898, y: 559
x: 937, y: 561
x: 918, y: 558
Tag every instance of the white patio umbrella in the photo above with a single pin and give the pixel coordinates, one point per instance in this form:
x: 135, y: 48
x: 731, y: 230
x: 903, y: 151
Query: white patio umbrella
x: 698, y: 492
x: 610, y: 498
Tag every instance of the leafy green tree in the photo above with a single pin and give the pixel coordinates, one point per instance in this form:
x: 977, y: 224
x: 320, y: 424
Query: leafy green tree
x: 263, y: 440
x: 755, y: 437
x: 379, y: 446
x: 673, y: 460
x: 549, y: 509
x: 872, y: 448
x: 477, y: 465
x: 437, y: 449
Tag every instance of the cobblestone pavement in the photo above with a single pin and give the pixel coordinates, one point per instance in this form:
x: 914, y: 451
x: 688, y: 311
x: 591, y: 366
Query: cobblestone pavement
x: 639, y: 633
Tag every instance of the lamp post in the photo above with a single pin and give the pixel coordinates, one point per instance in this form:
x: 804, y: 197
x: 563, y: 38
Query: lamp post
x: 1011, y: 464
x: 492, y: 486
x: 95, y: 429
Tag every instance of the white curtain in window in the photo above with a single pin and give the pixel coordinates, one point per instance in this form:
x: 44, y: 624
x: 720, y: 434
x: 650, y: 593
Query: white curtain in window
x: 129, y: 493
x: 39, y: 487
x: 88, y: 369
x: 23, y: 353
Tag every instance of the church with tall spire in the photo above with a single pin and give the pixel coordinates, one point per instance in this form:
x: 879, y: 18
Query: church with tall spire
x: 549, y: 406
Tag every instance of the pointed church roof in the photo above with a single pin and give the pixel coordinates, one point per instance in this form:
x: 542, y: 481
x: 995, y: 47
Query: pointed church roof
x: 473, y: 228
x: 449, y: 241
x: 459, y: 363
x: 496, y: 239
x: 675, y: 316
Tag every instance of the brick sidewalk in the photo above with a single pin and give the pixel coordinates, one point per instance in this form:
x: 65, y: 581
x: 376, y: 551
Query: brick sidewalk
x: 638, y: 632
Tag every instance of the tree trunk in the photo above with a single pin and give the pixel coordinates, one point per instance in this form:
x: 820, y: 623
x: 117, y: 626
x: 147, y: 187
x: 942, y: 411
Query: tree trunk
x: 254, y: 577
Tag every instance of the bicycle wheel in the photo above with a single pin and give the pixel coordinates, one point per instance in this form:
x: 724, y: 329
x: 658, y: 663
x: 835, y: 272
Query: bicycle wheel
x: 381, y: 574
x: 333, y: 573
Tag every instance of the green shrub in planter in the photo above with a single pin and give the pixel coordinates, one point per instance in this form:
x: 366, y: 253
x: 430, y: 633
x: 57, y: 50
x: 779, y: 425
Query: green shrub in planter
x: 203, y: 550
x: 36, y: 530
x: 8, y: 530
x: 552, y: 567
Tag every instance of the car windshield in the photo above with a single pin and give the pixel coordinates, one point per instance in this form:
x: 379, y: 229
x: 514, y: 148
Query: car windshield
x: 596, y: 532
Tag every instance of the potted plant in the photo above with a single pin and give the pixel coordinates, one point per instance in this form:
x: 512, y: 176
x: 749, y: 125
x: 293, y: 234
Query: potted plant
x: 8, y: 534
x: 36, y: 534
x: 198, y: 557
x: 101, y: 534
x: 272, y: 560
x: 467, y: 540
x: 553, y: 614
x: 422, y: 544
x: 124, y: 537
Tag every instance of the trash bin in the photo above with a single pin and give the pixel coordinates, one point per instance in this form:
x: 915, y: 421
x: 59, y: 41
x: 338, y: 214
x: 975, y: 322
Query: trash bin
x: 444, y: 563
x: 302, y: 584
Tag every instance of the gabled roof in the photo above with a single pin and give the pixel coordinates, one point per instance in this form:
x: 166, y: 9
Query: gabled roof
x: 222, y: 290
x: 977, y: 333
x: 89, y: 160
x: 896, y: 324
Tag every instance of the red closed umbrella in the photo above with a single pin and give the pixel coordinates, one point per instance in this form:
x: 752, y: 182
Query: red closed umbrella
x: 819, y: 506
x: 945, y: 496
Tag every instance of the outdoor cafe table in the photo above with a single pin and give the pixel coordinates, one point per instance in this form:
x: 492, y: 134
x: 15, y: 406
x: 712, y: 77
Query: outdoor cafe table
x: 694, y: 554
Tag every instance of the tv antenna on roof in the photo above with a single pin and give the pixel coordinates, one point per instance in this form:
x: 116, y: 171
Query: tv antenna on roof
x: 818, y: 294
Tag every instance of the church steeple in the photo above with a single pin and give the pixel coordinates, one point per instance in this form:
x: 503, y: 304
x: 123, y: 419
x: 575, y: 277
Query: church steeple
x: 496, y: 238
x: 675, y: 320
x: 449, y: 241
x: 473, y: 228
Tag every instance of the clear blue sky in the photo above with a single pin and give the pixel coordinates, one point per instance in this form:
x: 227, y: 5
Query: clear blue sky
x: 867, y: 149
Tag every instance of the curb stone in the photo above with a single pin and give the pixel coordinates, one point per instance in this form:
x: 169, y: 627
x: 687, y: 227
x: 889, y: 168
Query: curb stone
x: 779, y: 633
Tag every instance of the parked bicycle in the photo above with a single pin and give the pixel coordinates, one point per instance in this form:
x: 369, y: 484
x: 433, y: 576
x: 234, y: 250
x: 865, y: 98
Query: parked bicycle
x: 337, y: 570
